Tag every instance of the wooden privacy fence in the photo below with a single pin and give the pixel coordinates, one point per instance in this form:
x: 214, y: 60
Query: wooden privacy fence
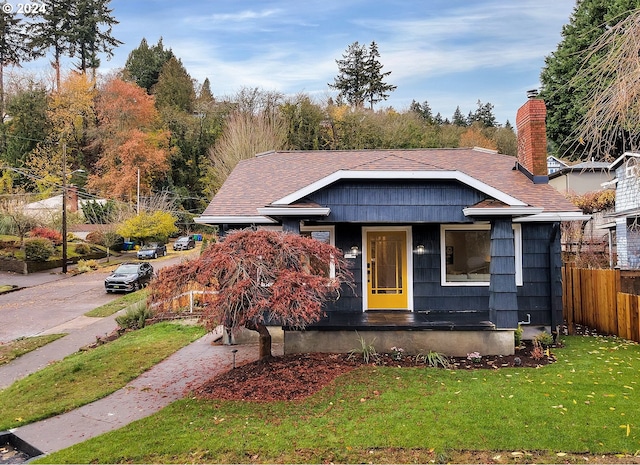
x: 592, y: 298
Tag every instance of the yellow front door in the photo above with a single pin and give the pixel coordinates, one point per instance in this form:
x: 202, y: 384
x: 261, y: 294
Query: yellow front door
x: 387, y: 270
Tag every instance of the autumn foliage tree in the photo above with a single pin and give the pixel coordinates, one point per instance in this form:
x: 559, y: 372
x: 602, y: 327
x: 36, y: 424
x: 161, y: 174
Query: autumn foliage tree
x: 258, y: 277
x: 131, y: 141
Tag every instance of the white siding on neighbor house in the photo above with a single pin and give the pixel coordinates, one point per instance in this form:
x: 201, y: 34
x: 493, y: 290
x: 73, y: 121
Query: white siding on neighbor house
x: 627, y: 190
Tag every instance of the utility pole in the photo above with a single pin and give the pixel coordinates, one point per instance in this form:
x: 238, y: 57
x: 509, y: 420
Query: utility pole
x: 64, y: 208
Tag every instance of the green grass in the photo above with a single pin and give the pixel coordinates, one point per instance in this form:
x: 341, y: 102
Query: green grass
x: 14, y: 349
x: 587, y: 402
x: 118, y: 304
x: 87, y: 376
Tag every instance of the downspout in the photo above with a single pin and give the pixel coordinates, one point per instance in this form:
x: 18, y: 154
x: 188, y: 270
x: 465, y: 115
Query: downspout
x: 555, y: 324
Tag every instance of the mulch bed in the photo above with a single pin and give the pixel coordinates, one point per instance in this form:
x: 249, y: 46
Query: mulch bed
x: 295, y: 376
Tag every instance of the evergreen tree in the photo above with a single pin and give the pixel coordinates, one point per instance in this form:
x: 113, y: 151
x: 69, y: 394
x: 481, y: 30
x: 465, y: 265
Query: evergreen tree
x: 458, y: 118
x: 483, y: 115
x: 423, y: 110
x: 54, y: 27
x: 376, y: 90
x: 28, y: 124
x: 13, y: 50
x: 205, y: 95
x: 562, y: 89
x: 174, y: 87
x: 144, y: 64
x: 353, y: 80
x: 91, y: 32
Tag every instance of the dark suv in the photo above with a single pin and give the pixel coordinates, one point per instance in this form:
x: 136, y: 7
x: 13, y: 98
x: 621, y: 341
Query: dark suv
x: 184, y: 243
x: 129, y: 277
x: 153, y: 250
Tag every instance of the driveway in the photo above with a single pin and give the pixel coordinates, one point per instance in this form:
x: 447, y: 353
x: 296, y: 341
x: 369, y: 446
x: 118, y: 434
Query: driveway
x: 53, y: 302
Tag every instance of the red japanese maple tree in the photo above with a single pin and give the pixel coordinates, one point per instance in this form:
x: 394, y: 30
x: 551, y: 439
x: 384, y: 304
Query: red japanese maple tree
x: 258, y: 277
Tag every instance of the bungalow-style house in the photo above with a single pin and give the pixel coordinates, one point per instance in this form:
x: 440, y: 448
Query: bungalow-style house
x: 625, y: 220
x: 452, y: 249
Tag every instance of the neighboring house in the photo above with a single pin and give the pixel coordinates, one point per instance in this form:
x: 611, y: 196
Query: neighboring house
x: 52, y: 207
x: 625, y: 221
x: 451, y: 249
x: 554, y: 164
x: 581, y: 178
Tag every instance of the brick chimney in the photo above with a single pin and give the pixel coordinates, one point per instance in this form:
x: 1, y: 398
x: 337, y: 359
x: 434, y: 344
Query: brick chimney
x: 72, y: 198
x: 532, y: 138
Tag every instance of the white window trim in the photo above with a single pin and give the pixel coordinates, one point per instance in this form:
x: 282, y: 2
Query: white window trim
x: 517, y: 234
x: 332, y: 241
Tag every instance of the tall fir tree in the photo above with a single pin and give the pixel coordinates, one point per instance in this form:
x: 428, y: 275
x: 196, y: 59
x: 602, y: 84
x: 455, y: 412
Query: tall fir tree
x: 360, y: 77
x: 351, y: 82
x: 92, y: 31
x: 52, y: 29
x: 145, y: 62
x: 563, y: 90
x: 458, y: 118
x: 13, y: 51
x: 174, y: 87
x: 376, y: 90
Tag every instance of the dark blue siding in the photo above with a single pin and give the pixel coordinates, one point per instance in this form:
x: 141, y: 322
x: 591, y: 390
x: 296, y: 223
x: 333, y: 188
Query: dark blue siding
x: 397, y: 201
x: 429, y: 295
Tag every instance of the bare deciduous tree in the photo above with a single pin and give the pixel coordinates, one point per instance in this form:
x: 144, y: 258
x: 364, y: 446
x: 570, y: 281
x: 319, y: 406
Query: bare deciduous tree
x: 611, y: 124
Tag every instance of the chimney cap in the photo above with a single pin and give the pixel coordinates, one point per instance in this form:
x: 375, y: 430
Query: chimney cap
x: 533, y: 93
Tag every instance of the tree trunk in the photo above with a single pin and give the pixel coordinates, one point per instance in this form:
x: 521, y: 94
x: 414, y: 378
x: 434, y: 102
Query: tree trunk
x: 264, y: 343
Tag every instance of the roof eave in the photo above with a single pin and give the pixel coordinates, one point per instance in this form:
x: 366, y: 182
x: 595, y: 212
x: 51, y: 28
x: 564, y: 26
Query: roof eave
x: 209, y: 219
x: 554, y: 217
x: 294, y: 211
x: 502, y: 211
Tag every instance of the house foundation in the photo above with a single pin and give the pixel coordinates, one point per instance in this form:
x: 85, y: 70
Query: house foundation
x: 452, y: 343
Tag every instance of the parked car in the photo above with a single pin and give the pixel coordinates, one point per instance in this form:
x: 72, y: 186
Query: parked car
x: 129, y: 277
x: 184, y: 243
x: 152, y: 250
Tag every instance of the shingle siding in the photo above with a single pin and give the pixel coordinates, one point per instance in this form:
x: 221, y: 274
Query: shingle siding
x: 533, y: 297
x: 397, y: 202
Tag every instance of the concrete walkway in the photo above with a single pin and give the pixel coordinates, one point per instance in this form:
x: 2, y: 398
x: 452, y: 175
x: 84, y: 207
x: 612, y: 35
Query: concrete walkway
x: 164, y: 383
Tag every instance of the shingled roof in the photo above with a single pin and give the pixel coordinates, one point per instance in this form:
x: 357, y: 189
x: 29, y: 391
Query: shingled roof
x: 273, y: 176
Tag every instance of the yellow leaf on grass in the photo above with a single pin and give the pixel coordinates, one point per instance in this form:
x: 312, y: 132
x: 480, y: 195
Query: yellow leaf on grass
x: 627, y: 427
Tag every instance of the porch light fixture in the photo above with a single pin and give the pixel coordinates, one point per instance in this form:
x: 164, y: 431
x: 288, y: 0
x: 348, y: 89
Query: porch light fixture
x: 354, y: 250
x: 420, y: 250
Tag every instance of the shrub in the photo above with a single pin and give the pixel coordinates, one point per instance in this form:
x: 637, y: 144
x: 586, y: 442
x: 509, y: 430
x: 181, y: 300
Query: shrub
x: 544, y: 339
x: 38, y: 249
x: 95, y: 237
x: 135, y: 316
x: 82, y: 248
x: 47, y: 233
x: 517, y: 335
x: 87, y: 265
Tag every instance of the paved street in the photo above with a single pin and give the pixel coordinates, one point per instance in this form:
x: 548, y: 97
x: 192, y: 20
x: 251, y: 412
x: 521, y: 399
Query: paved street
x: 52, y: 302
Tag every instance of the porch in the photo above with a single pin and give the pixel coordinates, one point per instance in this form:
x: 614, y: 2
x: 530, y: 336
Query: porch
x: 455, y: 334
x: 393, y: 320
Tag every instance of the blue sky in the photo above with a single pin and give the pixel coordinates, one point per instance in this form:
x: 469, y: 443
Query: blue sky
x: 449, y: 53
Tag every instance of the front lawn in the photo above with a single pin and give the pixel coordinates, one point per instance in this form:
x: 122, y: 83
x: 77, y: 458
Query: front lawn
x: 86, y: 376
x: 587, y: 403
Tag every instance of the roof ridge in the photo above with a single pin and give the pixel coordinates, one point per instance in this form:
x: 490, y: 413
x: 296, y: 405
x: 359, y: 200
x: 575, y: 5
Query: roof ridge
x: 392, y: 154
